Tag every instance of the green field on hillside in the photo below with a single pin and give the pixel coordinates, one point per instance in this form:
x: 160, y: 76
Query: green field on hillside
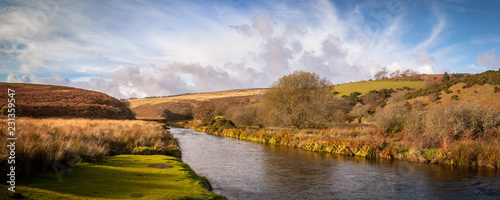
x: 367, y: 86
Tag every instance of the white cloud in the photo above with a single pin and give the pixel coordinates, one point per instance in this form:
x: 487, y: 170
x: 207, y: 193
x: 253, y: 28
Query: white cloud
x: 489, y: 59
x: 54, y: 80
x: 263, y: 24
x: 426, y: 69
x: 424, y: 57
x: 137, y: 49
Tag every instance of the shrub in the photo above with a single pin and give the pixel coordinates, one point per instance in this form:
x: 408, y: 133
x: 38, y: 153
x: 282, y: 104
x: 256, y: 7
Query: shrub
x: 465, y: 121
x: 359, y: 111
x: 454, y: 97
x: 434, y: 97
x: 415, y: 122
x: 246, y: 115
x: 391, y: 119
x: 372, y: 99
x: 218, y: 124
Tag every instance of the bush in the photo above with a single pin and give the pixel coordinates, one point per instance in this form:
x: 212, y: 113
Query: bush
x: 454, y: 97
x: 246, y: 115
x: 359, y: 111
x: 372, y: 98
x: 217, y: 124
x: 463, y: 121
x: 391, y: 119
x: 434, y: 97
x: 415, y: 122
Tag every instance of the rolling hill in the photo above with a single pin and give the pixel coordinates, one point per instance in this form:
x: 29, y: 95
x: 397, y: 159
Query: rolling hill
x: 44, y: 101
x: 152, y: 108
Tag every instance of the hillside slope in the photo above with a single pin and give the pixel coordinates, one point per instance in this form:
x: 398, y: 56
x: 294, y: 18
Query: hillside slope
x: 481, y: 95
x: 42, y: 101
x: 152, y: 108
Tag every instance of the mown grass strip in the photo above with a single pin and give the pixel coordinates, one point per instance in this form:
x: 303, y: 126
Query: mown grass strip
x: 121, y: 177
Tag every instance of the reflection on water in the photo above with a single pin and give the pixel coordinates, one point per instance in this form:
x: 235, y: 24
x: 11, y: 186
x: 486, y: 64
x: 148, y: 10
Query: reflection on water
x: 245, y: 170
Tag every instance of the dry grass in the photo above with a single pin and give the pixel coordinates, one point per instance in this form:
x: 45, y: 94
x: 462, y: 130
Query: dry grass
x: 42, y: 142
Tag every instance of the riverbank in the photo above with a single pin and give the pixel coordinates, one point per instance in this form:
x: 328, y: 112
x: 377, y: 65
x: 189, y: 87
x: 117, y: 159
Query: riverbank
x: 121, y: 177
x: 367, y: 141
x: 89, y: 158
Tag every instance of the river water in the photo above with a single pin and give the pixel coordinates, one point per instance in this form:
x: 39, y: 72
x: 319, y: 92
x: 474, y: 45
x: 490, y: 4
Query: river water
x: 246, y: 170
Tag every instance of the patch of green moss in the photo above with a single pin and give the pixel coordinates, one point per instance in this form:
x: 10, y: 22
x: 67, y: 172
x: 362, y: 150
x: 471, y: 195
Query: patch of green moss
x: 120, y: 177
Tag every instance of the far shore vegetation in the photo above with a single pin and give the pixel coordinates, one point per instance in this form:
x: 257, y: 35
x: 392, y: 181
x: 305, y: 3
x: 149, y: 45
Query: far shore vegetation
x: 447, y: 119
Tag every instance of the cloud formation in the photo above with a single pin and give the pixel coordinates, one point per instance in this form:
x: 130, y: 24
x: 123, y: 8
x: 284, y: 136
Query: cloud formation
x: 424, y: 57
x: 489, y: 59
x: 138, y: 49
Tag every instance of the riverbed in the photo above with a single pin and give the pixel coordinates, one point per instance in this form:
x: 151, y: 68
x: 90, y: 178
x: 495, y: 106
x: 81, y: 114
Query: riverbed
x: 246, y: 170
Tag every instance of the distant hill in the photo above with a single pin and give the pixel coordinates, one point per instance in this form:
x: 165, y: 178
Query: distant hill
x: 152, y: 108
x: 43, y: 101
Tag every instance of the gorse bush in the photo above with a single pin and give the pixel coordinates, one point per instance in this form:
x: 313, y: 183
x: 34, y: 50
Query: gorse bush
x: 43, y: 142
x: 217, y: 124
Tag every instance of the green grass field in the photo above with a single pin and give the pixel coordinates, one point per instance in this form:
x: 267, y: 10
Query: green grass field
x: 367, y: 86
x: 120, y: 177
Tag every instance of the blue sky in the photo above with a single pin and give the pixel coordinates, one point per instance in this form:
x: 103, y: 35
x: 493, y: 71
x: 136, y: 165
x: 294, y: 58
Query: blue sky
x: 150, y: 48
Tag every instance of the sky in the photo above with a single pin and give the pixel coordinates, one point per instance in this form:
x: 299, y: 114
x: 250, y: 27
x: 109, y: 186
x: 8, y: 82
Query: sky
x: 156, y: 48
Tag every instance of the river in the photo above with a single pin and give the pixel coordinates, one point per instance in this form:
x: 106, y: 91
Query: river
x: 246, y: 170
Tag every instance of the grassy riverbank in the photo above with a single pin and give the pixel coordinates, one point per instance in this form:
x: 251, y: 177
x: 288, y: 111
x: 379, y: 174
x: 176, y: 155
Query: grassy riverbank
x: 42, y: 142
x: 366, y: 140
x: 88, y: 157
x: 121, y: 177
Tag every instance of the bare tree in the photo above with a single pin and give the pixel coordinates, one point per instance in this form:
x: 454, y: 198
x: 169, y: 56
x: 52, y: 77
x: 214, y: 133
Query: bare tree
x: 382, y: 74
x: 396, y: 74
